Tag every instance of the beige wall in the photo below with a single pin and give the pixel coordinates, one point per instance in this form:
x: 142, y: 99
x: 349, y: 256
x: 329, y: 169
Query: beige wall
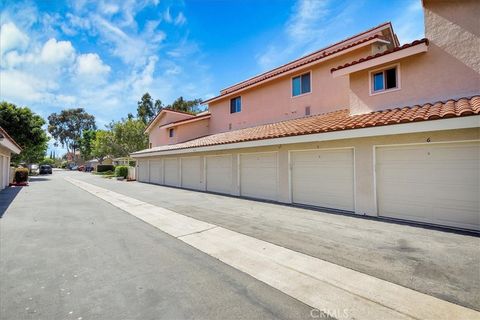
x: 365, y: 203
x: 191, y: 131
x: 454, y: 26
x: 273, y: 101
x: 449, y: 69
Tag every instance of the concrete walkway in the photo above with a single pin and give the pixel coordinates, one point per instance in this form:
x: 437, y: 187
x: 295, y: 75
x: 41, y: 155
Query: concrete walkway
x: 441, y: 264
x: 342, y: 292
x: 66, y: 254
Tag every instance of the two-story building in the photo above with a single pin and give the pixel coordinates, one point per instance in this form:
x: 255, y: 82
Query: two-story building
x: 365, y: 126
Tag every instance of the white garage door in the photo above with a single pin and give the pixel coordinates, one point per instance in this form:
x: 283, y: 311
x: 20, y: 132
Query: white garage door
x: 192, y: 173
x: 219, y: 174
x: 323, y: 178
x: 143, y: 171
x: 156, y: 172
x: 434, y: 183
x: 259, y: 175
x: 170, y: 172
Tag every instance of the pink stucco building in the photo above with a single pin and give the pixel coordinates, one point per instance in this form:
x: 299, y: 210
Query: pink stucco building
x: 367, y: 126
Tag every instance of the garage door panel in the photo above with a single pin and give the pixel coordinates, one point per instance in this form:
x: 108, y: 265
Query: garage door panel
x: 171, y: 172
x: 143, y: 171
x: 259, y: 175
x: 156, y: 171
x: 436, y: 183
x: 219, y: 174
x: 192, y: 173
x: 323, y: 178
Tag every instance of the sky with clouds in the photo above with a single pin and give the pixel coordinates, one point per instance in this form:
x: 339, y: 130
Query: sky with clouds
x: 103, y: 55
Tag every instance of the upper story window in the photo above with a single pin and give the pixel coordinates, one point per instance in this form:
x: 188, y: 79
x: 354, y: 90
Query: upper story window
x: 170, y: 132
x: 236, y: 105
x: 301, y: 84
x: 384, y: 80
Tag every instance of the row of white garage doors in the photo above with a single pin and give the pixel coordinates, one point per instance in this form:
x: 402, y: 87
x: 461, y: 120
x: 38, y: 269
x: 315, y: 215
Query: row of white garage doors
x: 431, y: 183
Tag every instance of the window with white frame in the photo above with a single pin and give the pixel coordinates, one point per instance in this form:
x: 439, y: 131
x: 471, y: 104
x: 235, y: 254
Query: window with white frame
x: 236, y: 105
x: 301, y: 84
x: 384, y: 80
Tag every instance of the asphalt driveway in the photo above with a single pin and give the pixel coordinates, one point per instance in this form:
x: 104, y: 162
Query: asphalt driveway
x: 65, y: 254
x: 442, y: 264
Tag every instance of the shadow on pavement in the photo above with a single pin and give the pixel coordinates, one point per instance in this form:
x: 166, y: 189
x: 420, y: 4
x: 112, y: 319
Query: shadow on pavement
x: 38, y: 178
x: 6, y: 197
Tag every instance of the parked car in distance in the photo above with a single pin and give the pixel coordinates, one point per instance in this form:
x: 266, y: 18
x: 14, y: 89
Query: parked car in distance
x: 74, y: 168
x: 34, y: 169
x: 45, y: 169
x: 81, y: 168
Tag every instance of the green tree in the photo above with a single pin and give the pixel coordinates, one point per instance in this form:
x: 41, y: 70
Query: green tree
x: 48, y: 161
x: 190, y: 106
x: 25, y: 127
x: 103, y: 145
x: 86, y: 143
x: 67, y: 127
x: 128, y: 136
x: 145, y: 110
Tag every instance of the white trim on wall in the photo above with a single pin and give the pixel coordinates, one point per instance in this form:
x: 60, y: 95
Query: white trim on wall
x: 299, y: 74
x: 370, y: 80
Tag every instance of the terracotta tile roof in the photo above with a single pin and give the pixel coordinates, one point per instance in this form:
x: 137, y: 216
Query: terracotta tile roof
x: 335, y: 121
x: 317, y: 55
x: 6, y: 135
x: 405, y: 46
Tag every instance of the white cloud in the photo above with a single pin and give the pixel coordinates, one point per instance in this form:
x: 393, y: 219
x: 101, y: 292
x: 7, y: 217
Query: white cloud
x: 167, y: 16
x: 12, y: 38
x: 57, y: 52
x: 90, y: 64
x: 180, y: 19
x: 24, y: 87
x: 312, y: 24
x: 304, y: 22
x: 48, y: 72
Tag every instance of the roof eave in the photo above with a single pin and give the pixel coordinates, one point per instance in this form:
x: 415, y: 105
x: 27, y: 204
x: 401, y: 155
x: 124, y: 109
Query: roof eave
x: 386, y: 58
x: 186, y: 121
x: 326, y: 58
x: 157, y: 117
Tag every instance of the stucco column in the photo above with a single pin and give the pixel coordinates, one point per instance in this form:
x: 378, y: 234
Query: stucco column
x: 236, y: 175
x: 283, y: 176
x: 364, y: 180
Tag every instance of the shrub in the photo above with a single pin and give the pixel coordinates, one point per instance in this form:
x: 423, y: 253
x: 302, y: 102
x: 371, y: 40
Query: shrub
x: 48, y: 161
x: 105, y: 167
x: 121, y: 171
x: 21, y: 175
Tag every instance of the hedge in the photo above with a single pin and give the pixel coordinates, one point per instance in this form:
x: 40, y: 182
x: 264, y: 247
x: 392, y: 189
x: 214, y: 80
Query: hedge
x: 21, y: 175
x: 105, y: 167
x: 121, y: 171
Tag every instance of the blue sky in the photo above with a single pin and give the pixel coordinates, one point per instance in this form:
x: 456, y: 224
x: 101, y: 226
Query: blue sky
x: 103, y: 55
